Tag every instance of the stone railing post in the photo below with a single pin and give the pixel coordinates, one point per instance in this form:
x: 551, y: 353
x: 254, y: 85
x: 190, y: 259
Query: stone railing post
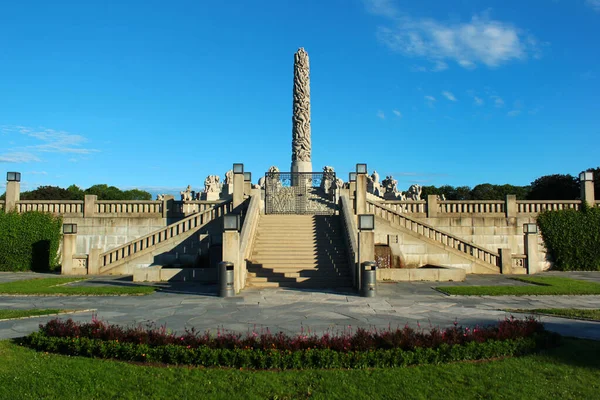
x: 510, y: 206
x: 361, y: 194
x: 531, y: 248
x: 13, y: 191
x: 586, y: 181
x: 238, y: 186
x: 231, y: 245
x: 505, y: 261
x: 89, y: 205
x: 94, y: 261
x: 69, y: 246
x: 432, y: 206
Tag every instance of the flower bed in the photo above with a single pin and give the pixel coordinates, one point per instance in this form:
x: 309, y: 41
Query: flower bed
x: 359, y: 349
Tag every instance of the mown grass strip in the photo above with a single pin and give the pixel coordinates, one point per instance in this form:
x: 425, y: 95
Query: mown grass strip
x: 62, y: 287
x: 539, y: 286
x: 576, y: 313
x: 12, y: 314
x: 569, y: 371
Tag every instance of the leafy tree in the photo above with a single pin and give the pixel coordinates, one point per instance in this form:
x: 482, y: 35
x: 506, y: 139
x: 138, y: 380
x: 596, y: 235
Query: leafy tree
x: 47, y: 193
x: 136, y: 194
x: 105, y: 192
x: 76, y: 192
x: 554, y: 187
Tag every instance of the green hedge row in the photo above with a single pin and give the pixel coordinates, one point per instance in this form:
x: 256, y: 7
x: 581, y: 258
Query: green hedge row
x: 278, y: 359
x: 572, y: 238
x: 29, y: 241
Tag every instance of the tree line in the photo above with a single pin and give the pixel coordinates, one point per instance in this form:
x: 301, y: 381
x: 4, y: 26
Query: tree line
x: 74, y: 192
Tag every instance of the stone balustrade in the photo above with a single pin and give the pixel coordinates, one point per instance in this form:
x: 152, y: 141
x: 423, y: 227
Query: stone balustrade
x: 406, y: 206
x: 537, y: 206
x: 350, y: 236
x: 471, y: 207
x: 518, y: 261
x: 68, y: 208
x: 128, y: 207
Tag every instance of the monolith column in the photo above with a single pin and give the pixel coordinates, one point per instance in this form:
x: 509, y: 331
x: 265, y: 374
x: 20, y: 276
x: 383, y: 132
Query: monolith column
x: 301, y: 145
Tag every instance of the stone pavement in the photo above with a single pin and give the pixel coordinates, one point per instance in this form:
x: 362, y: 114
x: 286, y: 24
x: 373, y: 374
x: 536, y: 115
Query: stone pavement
x: 181, y: 306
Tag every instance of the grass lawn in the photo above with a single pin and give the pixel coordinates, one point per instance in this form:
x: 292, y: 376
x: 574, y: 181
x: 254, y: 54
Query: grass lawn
x: 59, y: 286
x: 571, y: 371
x: 8, y: 314
x: 564, y: 312
x: 542, y: 285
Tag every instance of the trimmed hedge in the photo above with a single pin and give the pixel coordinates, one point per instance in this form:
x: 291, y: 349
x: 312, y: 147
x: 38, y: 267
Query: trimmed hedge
x: 29, y: 241
x: 572, y: 238
x: 287, y: 359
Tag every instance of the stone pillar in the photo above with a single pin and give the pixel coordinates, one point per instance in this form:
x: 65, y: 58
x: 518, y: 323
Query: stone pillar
x: 89, y: 205
x: 510, y: 206
x: 247, y: 188
x: 587, y: 188
x: 231, y: 253
x: 361, y: 194
x: 352, y: 193
x: 94, y: 261
x: 13, y: 195
x: 505, y: 261
x: 432, y: 206
x: 301, y: 141
x: 68, y: 251
x: 366, y: 250
x: 532, y: 253
x: 238, y: 190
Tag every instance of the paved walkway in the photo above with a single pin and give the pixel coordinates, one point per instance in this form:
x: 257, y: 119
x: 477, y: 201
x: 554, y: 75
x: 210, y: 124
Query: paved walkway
x: 181, y: 306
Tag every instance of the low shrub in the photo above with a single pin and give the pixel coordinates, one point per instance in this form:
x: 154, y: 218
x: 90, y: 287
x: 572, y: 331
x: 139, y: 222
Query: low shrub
x: 361, y: 349
x: 572, y: 238
x: 29, y: 241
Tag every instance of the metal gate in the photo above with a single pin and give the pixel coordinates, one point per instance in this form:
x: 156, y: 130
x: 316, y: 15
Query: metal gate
x: 300, y: 193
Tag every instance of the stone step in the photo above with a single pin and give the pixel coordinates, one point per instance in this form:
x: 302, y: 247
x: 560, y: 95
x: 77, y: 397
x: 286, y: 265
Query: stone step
x: 299, y: 252
x: 297, y: 266
x: 331, y: 280
x: 299, y: 274
x: 301, y: 285
x: 267, y: 258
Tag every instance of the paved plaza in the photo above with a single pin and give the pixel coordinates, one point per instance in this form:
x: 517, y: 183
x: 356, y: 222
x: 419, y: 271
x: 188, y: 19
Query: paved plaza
x: 186, y: 305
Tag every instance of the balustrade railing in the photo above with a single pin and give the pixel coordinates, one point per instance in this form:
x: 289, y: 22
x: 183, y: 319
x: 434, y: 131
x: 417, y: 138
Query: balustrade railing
x: 57, y: 207
x: 406, y: 206
x: 433, y: 233
x: 472, y: 207
x: 537, y: 206
x: 350, y: 236
x: 518, y: 260
x: 121, y: 254
x: 129, y: 207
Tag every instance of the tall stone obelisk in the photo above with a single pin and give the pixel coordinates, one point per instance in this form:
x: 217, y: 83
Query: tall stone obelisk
x: 301, y: 146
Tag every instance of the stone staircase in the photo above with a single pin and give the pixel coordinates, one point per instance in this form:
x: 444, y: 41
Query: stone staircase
x: 301, y: 251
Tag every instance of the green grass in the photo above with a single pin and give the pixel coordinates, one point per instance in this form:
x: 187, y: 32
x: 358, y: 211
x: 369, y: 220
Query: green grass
x: 571, y: 371
x: 546, y: 285
x: 563, y: 312
x: 59, y: 286
x: 9, y: 314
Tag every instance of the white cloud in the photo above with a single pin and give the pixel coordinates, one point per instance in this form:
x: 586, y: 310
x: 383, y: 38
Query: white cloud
x: 397, y: 113
x: 37, y: 173
x: 478, y: 100
x: 380, y: 114
x: 498, y: 101
x: 430, y: 98
x: 514, y: 113
x: 595, y: 4
x: 440, y: 66
x: 449, y: 96
x: 18, y: 157
x: 479, y: 41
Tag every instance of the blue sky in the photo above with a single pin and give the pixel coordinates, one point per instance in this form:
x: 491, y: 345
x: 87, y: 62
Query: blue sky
x: 158, y: 95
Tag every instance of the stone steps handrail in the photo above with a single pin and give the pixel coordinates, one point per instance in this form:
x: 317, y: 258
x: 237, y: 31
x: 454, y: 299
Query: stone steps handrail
x: 350, y: 235
x: 129, y: 206
x: 435, y: 234
x: 472, y: 206
x: 537, y: 206
x: 128, y: 250
x: 51, y: 206
x: 247, y: 236
x: 406, y: 206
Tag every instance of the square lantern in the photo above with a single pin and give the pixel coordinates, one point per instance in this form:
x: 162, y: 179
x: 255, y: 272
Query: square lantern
x: 530, y: 228
x: 69, y: 229
x: 586, y: 176
x: 238, y: 168
x: 231, y: 222
x: 366, y: 222
x: 361, y: 168
x: 352, y: 176
x: 247, y: 176
x: 13, y: 176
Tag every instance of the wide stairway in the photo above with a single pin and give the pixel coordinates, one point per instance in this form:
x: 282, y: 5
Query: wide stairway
x: 301, y: 251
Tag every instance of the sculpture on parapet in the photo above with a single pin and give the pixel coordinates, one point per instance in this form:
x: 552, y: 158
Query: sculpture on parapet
x: 229, y: 177
x: 212, y: 184
x: 390, y: 188
x: 160, y: 197
x: 301, y: 141
x: 273, y: 179
x: 328, y: 178
x: 373, y: 185
x: 186, y: 195
x: 414, y: 192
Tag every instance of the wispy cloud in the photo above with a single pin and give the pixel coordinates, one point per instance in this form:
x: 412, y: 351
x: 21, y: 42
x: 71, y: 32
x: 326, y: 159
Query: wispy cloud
x: 37, y: 173
x: 430, y: 98
x: 380, y: 114
x: 449, y: 95
x: 478, y: 101
x: 481, y: 40
x: 397, y: 113
x: 498, y: 101
x: 513, y: 113
x: 595, y: 4
x: 35, y: 141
